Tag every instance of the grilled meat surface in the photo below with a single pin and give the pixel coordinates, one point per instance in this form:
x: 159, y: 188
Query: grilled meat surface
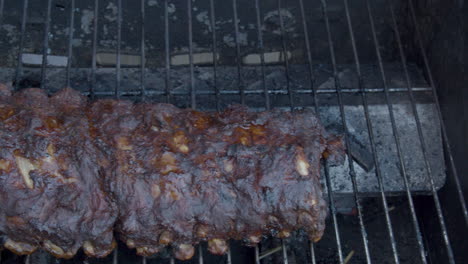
x: 51, y: 192
x: 73, y: 172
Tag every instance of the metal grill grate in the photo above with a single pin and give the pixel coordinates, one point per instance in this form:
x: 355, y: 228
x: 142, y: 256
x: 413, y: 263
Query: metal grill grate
x: 194, y: 95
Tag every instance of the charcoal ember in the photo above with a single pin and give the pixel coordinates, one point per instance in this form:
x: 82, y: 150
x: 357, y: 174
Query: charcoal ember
x: 182, y: 176
x: 51, y: 193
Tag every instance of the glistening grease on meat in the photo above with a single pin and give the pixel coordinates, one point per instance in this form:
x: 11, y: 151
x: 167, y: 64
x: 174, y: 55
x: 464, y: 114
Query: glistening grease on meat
x: 74, y: 172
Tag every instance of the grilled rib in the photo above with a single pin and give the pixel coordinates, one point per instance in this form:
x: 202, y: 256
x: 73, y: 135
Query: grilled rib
x: 155, y: 174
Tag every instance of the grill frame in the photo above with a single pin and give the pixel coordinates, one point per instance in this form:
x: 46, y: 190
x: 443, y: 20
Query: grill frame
x: 312, y: 91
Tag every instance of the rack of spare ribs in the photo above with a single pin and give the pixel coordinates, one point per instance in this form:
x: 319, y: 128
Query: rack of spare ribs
x: 74, y: 174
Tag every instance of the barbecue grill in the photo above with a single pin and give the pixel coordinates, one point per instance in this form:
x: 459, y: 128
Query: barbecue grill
x: 386, y: 74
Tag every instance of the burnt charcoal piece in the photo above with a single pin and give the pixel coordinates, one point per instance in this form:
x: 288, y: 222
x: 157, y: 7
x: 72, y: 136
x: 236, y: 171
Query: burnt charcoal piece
x: 51, y: 192
x: 182, y: 176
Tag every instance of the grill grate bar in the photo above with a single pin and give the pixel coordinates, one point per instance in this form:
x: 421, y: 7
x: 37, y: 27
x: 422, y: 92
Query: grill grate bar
x: 143, y: 260
x: 190, y: 40
x: 446, y: 141
x: 95, y: 40
x: 115, y: 256
x: 119, y: 43
x: 215, y: 52
x: 312, y: 253
x: 240, y: 81
x: 342, y: 113
x: 262, y: 53
x: 393, y: 123
x: 19, y: 66
x: 2, y: 4
x: 371, y: 133
x: 417, y: 229
x: 167, y: 52
x: 285, y: 252
x: 257, y: 255
x: 228, y: 255
x: 70, y: 41
x: 200, y: 254
x: 324, y: 164
x: 285, y: 56
x: 142, y: 47
x: 45, y: 44
x: 281, y: 91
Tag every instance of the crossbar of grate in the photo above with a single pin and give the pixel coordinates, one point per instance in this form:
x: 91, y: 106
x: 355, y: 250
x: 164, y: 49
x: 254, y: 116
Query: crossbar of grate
x: 276, y: 91
x: 461, y: 196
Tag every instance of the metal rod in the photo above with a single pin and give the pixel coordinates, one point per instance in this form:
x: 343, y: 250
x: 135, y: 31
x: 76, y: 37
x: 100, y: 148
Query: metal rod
x: 190, y: 40
x: 172, y: 260
x: 229, y: 261
x: 119, y: 43
x: 167, y: 51
x: 285, y: 56
x: 422, y: 139
x: 45, y: 44
x: 309, y: 53
x: 200, y: 254
x: 331, y: 201
x: 396, y: 135
x: 2, y: 3
x: 312, y: 253
x: 461, y: 196
x: 417, y: 229
x: 70, y: 41
x: 257, y: 255
x: 92, y: 88
x: 285, y: 252
x: 328, y: 185
x: 343, y: 120
x: 27, y: 260
x: 371, y: 133
x: 215, y: 52
x: 115, y: 256
x: 142, y: 47
x: 19, y: 65
x: 240, y: 81
x: 143, y: 260
x: 236, y: 92
x: 262, y: 54
x: 269, y: 252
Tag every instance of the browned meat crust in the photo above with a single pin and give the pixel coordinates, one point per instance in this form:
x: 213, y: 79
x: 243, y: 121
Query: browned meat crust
x: 177, y: 176
x: 51, y: 194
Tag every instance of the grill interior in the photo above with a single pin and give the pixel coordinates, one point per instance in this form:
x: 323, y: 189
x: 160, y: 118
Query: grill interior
x: 364, y: 66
